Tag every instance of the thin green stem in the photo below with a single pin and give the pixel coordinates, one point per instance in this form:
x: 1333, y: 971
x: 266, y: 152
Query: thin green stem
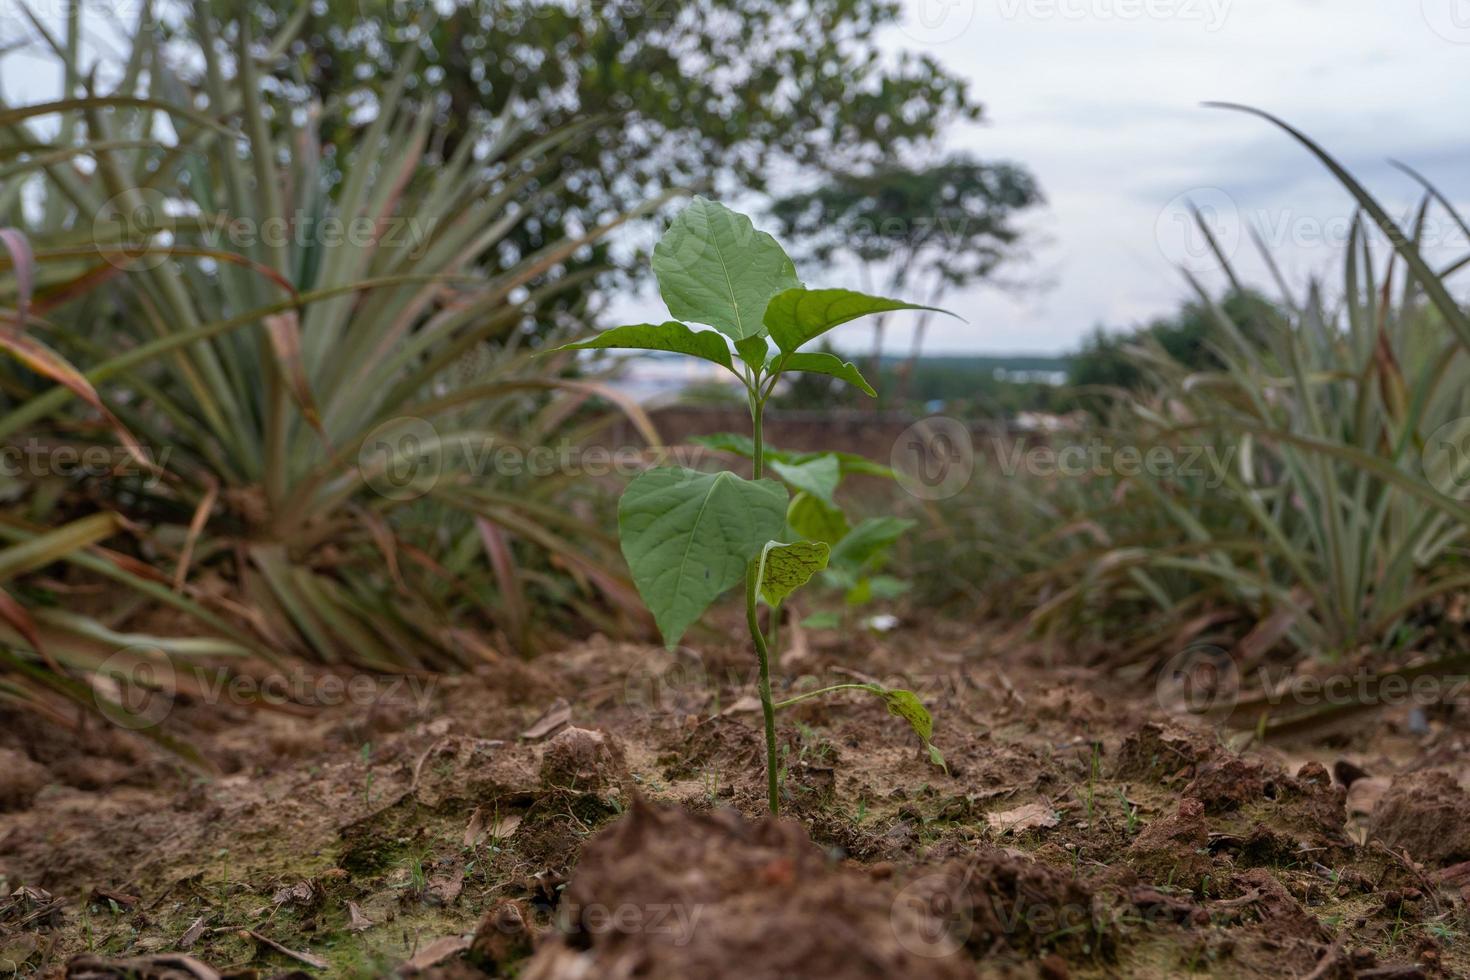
x: 826, y: 690
x: 763, y: 653
x: 768, y: 708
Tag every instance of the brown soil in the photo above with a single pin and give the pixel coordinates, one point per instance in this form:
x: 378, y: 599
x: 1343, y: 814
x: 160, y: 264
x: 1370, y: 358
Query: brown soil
x: 598, y: 813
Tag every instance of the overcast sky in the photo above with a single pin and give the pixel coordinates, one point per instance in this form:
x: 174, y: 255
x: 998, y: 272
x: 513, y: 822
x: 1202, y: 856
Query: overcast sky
x: 1100, y: 98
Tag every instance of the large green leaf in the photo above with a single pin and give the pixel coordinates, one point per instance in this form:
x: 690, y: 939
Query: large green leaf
x: 784, y: 568
x: 818, y: 477
x: 689, y: 536
x: 797, y: 315
x: 670, y: 336
x: 714, y: 267
x: 821, y: 362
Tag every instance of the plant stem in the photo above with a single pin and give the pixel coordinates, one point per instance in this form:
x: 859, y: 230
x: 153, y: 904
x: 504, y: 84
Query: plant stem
x: 826, y: 690
x: 768, y: 708
x: 762, y: 652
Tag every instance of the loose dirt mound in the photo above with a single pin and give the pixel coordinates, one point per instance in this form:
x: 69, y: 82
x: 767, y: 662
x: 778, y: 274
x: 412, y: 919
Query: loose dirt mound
x: 1426, y: 814
x: 667, y: 894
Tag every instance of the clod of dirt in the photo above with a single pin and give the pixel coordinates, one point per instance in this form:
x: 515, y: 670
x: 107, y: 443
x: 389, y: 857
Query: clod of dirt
x: 1227, y: 783
x: 1313, y: 803
x: 996, y: 898
x: 583, y: 760
x: 20, y: 779
x: 1171, y: 850
x: 1427, y: 814
x: 474, y: 770
x: 503, y: 936
x: 1161, y: 753
x: 666, y: 893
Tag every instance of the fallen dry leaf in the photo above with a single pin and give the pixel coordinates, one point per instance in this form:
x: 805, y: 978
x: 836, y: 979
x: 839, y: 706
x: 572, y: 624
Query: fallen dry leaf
x: 745, y: 703
x: 1031, y: 816
x: 551, y: 719
x: 435, y: 953
x: 191, y: 935
x: 498, y: 829
x: 1363, y: 795
x: 356, y: 921
x: 306, y: 958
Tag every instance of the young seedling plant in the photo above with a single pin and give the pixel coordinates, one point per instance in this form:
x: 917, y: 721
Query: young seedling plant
x: 690, y: 536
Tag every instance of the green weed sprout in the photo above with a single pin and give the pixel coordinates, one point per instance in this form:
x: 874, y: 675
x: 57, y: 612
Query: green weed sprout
x: 690, y: 536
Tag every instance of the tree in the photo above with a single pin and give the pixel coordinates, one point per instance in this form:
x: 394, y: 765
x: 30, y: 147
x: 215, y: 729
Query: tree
x: 676, y: 92
x: 920, y: 230
x: 1106, y: 360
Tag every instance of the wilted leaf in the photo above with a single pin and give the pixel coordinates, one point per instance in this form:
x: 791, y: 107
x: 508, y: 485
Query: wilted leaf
x: 785, y: 568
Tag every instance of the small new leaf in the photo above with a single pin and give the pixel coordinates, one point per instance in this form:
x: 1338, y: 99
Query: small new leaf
x: 714, y: 267
x: 689, y: 536
x: 821, y: 362
x: 784, y: 568
x: 797, y: 315
x: 671, y: 336
x: 753, y: 350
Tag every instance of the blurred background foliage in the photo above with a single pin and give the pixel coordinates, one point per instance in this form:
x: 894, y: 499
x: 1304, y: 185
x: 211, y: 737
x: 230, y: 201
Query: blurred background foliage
x: 260, y: 397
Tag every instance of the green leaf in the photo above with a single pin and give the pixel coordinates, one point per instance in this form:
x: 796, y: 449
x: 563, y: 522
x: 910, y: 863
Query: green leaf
x: 689, y: 536
x: 822, y: 621
x: 829, y: 364
x: 816, y: 520
x: 731, y: 442
x: 670, y: 336
x: 906, y: 705
x: 784, y: 568
x: 818, y: 477
x: 753, y: 350
x: 887, y: 587
x: 869, y: 539
x: 797, y: 315
x: 714, y: 267
x: 741, y: 445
